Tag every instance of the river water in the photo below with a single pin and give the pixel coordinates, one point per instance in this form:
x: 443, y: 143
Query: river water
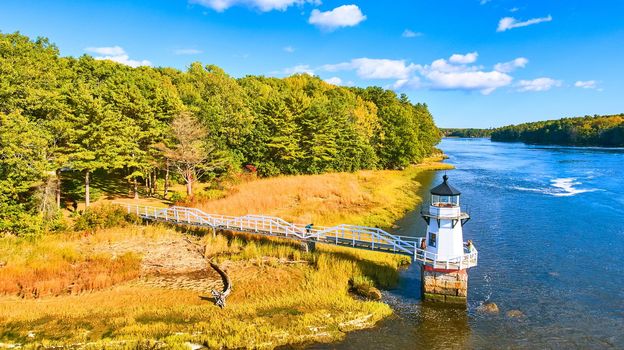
x: 548, y: 222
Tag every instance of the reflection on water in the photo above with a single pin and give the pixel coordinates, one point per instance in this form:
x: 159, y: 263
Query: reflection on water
x: 549, y: 226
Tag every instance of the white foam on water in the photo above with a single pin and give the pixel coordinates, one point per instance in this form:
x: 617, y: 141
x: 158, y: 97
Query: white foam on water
x: 565, y: 187
x: 560, y: 187
x: 536, y: 190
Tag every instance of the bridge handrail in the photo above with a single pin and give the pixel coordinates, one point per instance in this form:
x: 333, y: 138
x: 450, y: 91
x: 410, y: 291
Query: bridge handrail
x: 374, y: 237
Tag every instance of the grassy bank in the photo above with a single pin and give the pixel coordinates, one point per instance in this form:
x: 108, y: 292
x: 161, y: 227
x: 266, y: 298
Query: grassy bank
x: 148, y: 286
x: 371, y: 198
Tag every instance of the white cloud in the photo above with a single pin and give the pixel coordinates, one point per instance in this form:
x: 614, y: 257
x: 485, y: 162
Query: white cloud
x: 464, y: 59
x: 508, y: 23
x: 370, y: 68
x: 341, y: 16
x: 410, y: 34
x: 483, y: 2
x: 514, y: 9
x: 484, y: 81
x: 458, y: 72
x: 289, y: 49
x: 507, y: 67
x: 262, y: 5
x: 443, y: 65
x: 107, y: 51
x: 116, y: 54
x: 411, y: 83
x: 539, y: 84
x: 452, y: 74
x: 298, y: 69
x: 587, y: 84
x: 334, y: 81
x: 187, y: 52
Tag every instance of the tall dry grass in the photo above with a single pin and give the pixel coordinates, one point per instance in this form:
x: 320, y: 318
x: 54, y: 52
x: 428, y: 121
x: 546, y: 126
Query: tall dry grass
x: 373, y: 198
x: 60, y: 264
x: 272, y: 304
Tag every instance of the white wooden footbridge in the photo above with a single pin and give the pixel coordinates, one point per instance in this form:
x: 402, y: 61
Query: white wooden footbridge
x: 361, y: 237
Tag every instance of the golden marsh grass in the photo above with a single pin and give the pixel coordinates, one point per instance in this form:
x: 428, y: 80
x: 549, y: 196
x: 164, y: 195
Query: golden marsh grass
x: 281, y: 295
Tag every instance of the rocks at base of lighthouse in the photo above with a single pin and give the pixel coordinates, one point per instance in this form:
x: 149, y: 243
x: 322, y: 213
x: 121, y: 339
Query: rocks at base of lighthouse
x: 488, y: 308
x: 448, y: 286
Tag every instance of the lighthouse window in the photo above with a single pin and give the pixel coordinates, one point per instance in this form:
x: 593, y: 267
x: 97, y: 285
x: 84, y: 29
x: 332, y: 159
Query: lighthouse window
x: 432, y: 239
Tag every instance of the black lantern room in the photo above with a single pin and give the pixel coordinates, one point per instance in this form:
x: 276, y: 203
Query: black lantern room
x: 445, y: 195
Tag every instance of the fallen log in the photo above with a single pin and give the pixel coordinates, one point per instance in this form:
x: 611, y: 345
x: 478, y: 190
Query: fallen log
x: 227, y: 283
x: 227, y: 286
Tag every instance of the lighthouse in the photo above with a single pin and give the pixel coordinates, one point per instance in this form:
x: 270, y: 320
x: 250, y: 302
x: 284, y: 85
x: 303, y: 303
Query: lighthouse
x: 444, y: 256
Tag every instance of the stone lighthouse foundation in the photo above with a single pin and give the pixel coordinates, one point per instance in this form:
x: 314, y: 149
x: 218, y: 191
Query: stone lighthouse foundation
x: 447, y: 286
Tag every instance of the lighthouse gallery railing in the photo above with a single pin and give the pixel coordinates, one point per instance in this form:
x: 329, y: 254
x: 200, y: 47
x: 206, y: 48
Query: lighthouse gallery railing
x: 362, y: 237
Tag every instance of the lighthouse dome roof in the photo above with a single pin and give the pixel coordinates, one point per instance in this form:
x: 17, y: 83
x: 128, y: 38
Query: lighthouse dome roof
x: 444, y: 189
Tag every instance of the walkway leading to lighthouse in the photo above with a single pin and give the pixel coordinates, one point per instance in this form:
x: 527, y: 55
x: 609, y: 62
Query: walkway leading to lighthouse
x: 360, y: 237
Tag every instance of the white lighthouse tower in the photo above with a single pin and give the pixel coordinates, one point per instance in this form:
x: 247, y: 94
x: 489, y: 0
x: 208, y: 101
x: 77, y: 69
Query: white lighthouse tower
x: 444, y: 255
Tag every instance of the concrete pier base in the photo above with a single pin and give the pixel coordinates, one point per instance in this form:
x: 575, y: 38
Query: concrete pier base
x: 446, y: 286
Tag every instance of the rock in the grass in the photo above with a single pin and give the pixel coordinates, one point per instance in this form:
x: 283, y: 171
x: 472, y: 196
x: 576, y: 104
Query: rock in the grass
x: 488, y: 308
x: 514, y: 314
x: 2, y: 263
x: 366, y: 291
x: 395, y: 227
x: 374, y: 293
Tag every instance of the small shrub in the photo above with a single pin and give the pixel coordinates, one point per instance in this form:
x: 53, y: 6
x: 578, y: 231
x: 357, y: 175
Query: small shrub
x: 105, y: 216
x: 177, y: 197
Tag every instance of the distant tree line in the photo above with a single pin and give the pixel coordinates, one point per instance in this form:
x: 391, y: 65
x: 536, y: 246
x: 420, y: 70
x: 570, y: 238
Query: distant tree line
x: 66, y: 115
x: 466, y: 132
x: 605, y: 131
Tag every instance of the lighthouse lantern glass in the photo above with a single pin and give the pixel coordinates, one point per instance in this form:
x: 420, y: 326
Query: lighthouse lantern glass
x: 445, y: 201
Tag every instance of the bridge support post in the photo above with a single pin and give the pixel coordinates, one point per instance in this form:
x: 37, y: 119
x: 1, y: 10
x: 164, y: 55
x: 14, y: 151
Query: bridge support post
x: 308, y: 246
x: 447, y: 286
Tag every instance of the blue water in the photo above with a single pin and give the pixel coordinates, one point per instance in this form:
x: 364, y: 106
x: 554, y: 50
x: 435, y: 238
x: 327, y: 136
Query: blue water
x: 548, y: 222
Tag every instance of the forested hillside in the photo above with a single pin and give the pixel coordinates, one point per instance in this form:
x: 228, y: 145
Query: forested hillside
x: 607, y: 131
x: 466, y: 132
x: 62, y: 116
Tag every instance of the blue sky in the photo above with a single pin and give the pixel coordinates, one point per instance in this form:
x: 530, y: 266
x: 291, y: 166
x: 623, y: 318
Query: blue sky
x: 476, y: 63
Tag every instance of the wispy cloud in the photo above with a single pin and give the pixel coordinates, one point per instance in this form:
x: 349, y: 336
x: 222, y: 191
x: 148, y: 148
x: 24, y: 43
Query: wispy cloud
x: 508, y: 23
x: 586, y: 84
x: 334, y: 81
x: 289, y: 49
x: 507, y: 67
x: 341, y: 16
x: 262, y: 5
x: 407, y: 33
x: 107, y: 50
x: 298, y: 69
x: 187, y: 52
x: 371, y: 68
x: 539, y: 84
x: 116, y: 54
